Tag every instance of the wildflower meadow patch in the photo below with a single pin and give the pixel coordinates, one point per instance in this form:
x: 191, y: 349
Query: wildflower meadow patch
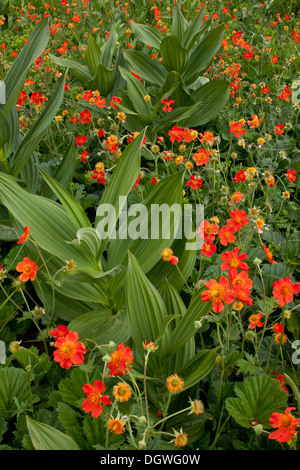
x: 149, y: 237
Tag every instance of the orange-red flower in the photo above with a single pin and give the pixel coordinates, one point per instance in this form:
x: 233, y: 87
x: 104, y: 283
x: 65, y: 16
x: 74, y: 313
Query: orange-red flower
x: 237, y: 219
x: 217, y: 293
x: 24, y: 236
x: 201, y: 157
x: 69, y: 350
x: 269, y: 255
x: 284, y: 290
x: 254, y: 320
x: 208, y: 250
x: 85, y: 116
x: 120, y: 360
x: 241, y: 286
x: 59, y: 332
x: 286, y: 425
x: 236, y: 128
x: 233, y: 261
x: 27, y: 268
x: 208, y: 231
x: 291, y: 175
x: 95, y: 398
x: 226, y: 235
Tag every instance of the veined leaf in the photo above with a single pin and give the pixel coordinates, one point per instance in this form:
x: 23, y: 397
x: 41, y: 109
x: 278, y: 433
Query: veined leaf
x: 136, y: 92
x: 202, y: 55
x: 34, y: 136
x: 48, y: 221
x: 76, y: 68
x: 92, y: 55
x: 175, y: 56
x: 122, y: 180
x: 74, y: 210
x: 103, y: 80
x: 4, y: 129
x: 197, y: 309
x: 211, y: 99
x: 33, y: 48
x: 257, y: 398
x: 198, y: 367
x: 146, y: 311
x: 179, y: 23
x: 108, y: 48
x: 147, y: 34
x: 193, y: 29
x: 45, y: 437
x: 13, y: 383
x: 149, y: 69
x: 156, y: 233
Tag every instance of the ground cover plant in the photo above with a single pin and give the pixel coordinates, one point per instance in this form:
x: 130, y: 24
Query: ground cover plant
x: 115, y: 333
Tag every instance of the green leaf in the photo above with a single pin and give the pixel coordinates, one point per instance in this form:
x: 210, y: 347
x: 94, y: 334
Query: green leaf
x: 210, y: 99
x: 103, y: 80
x: 198, y: 367
x: 194, y: 29
x: 164, y: 199
x: 102, y: 326
x: 136, y: 92
x: 146, y: 311
x: 203, y: 53
x: 147, y: 34
x: 36, y: 133
x: 257, y: 398
x: 33, y: 48
x: 92, y: 55
x: 48, y: 221
x: 13, y: 385
x: 175, y: 56
x: 108, y: 48
x: 179, y: 23
x: 64, y: 172
x: 120, y: 184
x: 45, y: 437
x: 148, y: 68
x: 197, y: 309
x: 74, y: 210
x: 4, y: 129
x: 76, y: 68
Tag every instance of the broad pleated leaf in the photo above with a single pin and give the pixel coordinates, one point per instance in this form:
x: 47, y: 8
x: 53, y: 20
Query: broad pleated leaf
x: 149, y: 69
x: 147, y: 34
x: 45, y: 437
x: 33, y: 48
x: 175, y: 56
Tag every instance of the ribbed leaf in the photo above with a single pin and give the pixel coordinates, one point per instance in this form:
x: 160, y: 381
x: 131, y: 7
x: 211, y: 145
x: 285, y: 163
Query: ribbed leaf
x: 175, y: 56
x: 103, y: 80
x: 13, y: 383
x: 121, y: 182
x: 108, y: 48
x: 33, y: 48
x: 4, y: 129
x: 136, y: 92
x: 45, y: 437
x: 198, y: 367
x: 186, y: 329
x: 149, y: 69
x: 202, y: 55
x: 48, y: 221
x: 148, y: 246
x: 179, y: 23
x: 92, y: 55
x: 146, y: 311
x: 102, y: 326
x: 211, y: 99
x: 74, y: 210
x: 147, y: 34
x: 36, y: 133
x: 193, y: 30
x: 76, y: 68
x: 65, y: 171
